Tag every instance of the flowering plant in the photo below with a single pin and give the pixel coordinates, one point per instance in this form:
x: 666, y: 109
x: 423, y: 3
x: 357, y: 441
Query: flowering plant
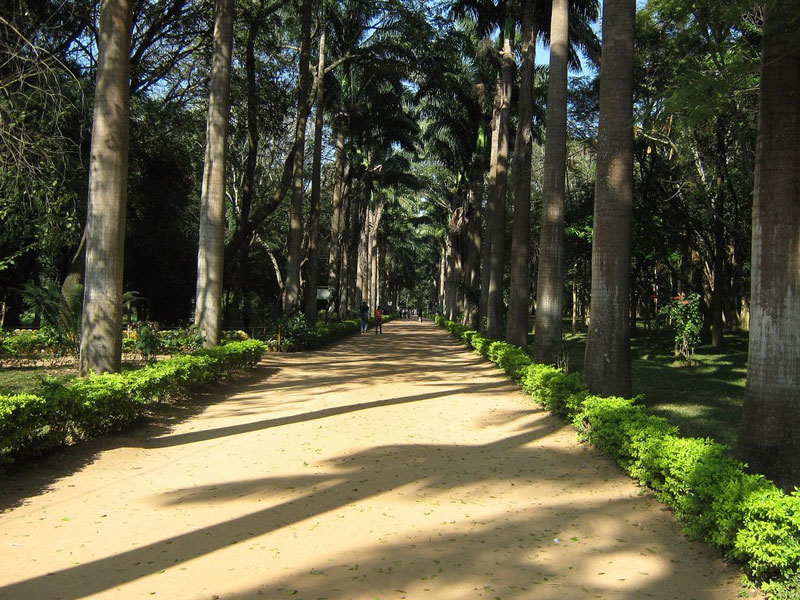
x: 686, y: 322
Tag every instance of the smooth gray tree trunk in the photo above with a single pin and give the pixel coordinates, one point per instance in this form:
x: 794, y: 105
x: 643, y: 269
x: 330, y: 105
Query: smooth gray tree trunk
x: 291, y: 293
x: 101, y: 327
x: 211, y: 250
x: 550, y: 282
x: 518, y: 322
x: 498, y: 179
x: 316, y: 185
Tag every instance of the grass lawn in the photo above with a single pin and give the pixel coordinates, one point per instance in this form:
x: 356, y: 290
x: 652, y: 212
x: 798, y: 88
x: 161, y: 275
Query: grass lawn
x: 704, y: 399
x: 27, y: 379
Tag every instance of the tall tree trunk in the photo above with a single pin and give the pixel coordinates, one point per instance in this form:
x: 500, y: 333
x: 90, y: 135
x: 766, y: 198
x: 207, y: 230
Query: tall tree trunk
x: 358, y: 213
x: 550, y: 282
x: 291, y: 294
x: 210, y: 255
x: 472, y: 273
x: 519, y: 294
x: 249, y: 178
x: 498, y: 179
x: 375, y: 277
x: 453, y: 264
x: 719, y: 290
x: 344, y: 263
x: 365, y: 259
x: 101, y: 328
x: 607, y: 367
x: 440, y: 283
x: 337, y: 217
x: 768, y: 438
x: 486, y: 249
x: 316, y: 184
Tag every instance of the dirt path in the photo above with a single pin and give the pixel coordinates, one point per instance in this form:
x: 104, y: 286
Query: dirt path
x: 394, y: 466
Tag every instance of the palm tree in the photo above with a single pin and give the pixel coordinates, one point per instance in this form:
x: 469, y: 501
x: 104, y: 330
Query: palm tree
x: 570, y: 30
x: 519, y: 296
x: 341, y: 171
x: 316, y: 183
x: 291, y: 298
x: 550, y: 283
x: 210, y: 255
x: 101, y: 330
x: 451, y: 104
x: 771, y: 417
x: 607, y: 366
x: 498, y: 179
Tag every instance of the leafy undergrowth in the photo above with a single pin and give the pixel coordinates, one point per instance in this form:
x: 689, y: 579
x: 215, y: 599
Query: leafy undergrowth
x: 703, y: 399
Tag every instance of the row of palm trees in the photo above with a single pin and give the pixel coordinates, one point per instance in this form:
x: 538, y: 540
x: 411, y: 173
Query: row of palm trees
x: 475, y: 263
x: 768, y: 439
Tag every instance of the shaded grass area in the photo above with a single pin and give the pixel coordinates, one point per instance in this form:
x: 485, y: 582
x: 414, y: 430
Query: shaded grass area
x: 703, y: 399
x: 28, y: 379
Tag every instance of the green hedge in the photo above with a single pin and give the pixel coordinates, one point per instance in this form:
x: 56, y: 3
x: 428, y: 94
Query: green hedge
x: 31, y: 424
x: 744, y: 515
x: 298, y: 335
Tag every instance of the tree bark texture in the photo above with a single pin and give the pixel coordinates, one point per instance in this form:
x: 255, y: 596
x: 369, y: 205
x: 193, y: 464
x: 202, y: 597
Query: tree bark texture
x: 498, y: 180
x: 486, y: 249
x: 474, y: 217
x: 316, y: 186
x: 607, y: 366
x: 454, y: 267
x: 210, y: 255
x: 101, y: 327
x: 335, y: 254
x: 517, y: 325
x: 241, y: 274
x: 550, y: 281
x: 769, y: 440
x: 291, y: 294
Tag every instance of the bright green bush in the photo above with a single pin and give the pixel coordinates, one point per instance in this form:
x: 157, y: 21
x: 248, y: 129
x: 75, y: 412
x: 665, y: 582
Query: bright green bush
x: 31, y: 424
x: 535, y: 378
x: 481, y: 344
x: 617, y: 425
x: 457, y: 329
x: 562, y: 393
x: 21, y: 344
x: 467, y: 336
x: 513, y: 360
x: 28, y: 421
x: 769, y: 540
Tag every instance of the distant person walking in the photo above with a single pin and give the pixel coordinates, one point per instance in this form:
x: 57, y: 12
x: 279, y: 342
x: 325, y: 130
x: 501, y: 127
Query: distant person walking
x: 378, y: 320
x: 364, y: 313
x: 419, y: 315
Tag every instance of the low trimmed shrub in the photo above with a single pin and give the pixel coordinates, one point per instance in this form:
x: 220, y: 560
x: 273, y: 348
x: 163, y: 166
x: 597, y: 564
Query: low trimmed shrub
x: 297, y: 335
x: 25, y: 343
x: 31, y: 424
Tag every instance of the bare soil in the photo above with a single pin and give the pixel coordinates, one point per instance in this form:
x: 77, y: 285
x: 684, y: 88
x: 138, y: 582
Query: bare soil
x: 389, y: 467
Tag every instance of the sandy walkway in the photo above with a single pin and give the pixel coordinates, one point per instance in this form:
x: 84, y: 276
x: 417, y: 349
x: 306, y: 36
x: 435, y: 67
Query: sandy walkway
x: 388, y: 467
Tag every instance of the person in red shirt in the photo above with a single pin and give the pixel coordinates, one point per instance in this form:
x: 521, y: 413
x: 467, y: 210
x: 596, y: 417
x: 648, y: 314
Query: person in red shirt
x: 378, y: 320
